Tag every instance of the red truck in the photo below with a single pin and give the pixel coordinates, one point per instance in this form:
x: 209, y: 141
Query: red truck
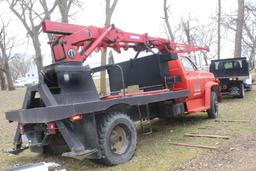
x: 64, y: 113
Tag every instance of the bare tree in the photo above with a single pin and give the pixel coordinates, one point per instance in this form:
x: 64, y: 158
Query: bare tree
x: 109, y: 9
x: 20, y: 65
x: 239, y: 29
x: 187, y: 29
x: 249, y: 38
x: 6, y: 46
x: 248, y: 41
x: 64, y: 8
x: 200, y: 35
x: 205, y: 35
x: 31, y: 20
x: 2, y: 74
x: 166, y: 9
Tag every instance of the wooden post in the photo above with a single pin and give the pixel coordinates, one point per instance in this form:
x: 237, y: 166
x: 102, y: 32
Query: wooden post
x: 191, y: 145
x: 207, y: 136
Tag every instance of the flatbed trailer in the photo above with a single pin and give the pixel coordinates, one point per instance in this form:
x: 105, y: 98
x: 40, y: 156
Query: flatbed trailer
x: 64, y: 113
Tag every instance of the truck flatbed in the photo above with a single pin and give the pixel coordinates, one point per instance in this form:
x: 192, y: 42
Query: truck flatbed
x: 230, y: 68
x: 59, y: 112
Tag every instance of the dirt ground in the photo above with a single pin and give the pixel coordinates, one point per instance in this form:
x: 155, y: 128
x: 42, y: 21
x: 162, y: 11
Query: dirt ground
x: 154, y: 151
x: 238, y: 155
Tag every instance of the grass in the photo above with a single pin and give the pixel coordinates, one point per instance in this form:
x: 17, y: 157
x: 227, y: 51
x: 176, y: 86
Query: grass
x: 153, y: 151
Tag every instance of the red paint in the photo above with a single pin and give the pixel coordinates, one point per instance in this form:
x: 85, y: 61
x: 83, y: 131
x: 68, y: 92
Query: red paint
x: 88, y: 39
x: 199, y: 84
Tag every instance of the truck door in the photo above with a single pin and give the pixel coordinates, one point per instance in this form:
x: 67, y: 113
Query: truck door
x: 193, y: 77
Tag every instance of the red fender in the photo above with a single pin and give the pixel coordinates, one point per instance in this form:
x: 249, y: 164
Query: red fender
x: 208, y: 89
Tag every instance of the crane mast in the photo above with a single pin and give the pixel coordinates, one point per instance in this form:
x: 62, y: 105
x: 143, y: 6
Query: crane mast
x: 76, y: 43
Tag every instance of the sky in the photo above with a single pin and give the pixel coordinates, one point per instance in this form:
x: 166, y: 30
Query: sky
x: 138, y: 16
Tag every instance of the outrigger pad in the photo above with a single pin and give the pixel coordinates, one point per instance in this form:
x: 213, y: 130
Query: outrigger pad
x: 15, y: 151
x: 80, y: 155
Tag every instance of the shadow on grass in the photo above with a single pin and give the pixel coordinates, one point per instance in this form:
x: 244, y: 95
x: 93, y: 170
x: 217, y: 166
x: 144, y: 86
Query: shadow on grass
x: 161, y: 132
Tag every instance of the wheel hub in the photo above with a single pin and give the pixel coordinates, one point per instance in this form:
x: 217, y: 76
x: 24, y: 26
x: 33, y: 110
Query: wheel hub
x: 118, y: 140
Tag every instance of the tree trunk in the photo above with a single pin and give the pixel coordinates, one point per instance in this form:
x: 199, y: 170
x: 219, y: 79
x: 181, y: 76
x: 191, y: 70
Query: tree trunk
x: 239, y: 29
x: 166, y: 20
x: 219, y: 27
x: 2, y: 81
x: 9, y: 77
x: 252, y: 56
x: 103, y: 85
x: 64, y: 9
x: 38, y: 57
x: 109, y: 12
x: 186, y: 29
x: 6, y: 65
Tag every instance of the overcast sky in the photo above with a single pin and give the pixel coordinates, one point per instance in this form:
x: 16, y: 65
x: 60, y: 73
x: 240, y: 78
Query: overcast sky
x: 138, y: 16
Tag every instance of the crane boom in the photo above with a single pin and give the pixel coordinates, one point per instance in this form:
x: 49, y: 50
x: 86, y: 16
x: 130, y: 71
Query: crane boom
x: 76, y: 43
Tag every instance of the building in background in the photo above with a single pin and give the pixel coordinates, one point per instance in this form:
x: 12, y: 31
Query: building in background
x: 29, y: 79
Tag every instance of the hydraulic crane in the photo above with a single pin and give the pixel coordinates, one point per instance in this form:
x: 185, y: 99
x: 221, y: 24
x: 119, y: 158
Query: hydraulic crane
x: 76, y: 43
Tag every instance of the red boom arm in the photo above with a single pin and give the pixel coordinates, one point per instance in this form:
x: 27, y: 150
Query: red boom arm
x: 76, y: 43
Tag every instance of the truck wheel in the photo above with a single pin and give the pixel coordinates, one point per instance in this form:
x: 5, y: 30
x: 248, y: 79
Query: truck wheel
x: 213, y: 111
x: 117, y: 139
x: 241, y: 91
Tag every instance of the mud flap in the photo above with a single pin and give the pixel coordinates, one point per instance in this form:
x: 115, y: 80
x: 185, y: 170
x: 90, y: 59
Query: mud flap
x: 80, y: 155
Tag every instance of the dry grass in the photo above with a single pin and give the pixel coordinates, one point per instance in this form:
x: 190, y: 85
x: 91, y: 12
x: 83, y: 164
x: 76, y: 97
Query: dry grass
x: 153, y: 151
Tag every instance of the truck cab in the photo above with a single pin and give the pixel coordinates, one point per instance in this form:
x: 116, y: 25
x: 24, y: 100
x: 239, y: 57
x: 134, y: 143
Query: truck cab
x: 200, y: 84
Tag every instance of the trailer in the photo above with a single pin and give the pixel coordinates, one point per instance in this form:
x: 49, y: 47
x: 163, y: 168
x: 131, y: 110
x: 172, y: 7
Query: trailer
x: 234, y: 75
x: 65, y: 115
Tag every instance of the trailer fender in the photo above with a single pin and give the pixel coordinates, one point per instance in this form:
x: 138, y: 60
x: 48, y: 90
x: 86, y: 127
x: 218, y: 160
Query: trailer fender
x: 208, y: 88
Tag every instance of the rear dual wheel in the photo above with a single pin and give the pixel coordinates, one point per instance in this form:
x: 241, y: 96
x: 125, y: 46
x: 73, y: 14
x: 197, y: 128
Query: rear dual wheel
x: 238, y: 90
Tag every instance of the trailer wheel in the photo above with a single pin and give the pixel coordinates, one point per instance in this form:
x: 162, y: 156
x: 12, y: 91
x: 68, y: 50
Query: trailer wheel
x: 213, y: 111
x: 117, y: 139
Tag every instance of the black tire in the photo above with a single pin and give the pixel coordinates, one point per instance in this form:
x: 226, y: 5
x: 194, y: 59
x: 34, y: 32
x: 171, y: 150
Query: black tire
x: 241, y: 91
x: 213, y: 112
x: 56, y: 146
x: 237, y: 90
x: 110, y: 138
